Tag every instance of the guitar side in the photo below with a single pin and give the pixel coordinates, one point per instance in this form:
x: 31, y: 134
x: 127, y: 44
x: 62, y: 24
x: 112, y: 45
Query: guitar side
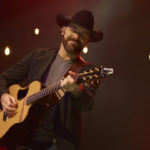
x: 22, y: 109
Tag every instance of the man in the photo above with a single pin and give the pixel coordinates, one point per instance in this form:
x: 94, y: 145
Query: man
x: 60, y: 125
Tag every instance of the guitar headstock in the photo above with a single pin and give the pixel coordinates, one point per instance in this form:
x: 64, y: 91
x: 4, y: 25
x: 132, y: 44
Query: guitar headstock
x: 94, y: 75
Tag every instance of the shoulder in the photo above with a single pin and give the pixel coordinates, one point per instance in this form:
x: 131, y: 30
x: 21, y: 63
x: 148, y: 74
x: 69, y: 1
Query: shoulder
x: 43, y: 51
x: 84, y: 62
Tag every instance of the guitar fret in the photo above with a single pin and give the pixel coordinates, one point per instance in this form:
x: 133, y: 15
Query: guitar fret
x: 42, y: 93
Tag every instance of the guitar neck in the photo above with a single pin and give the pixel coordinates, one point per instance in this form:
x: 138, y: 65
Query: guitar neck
x: 94, y: 73
x: 44, y: 92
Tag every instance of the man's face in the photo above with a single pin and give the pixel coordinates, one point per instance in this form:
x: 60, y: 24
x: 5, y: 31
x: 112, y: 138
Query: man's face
x: 75, y: 38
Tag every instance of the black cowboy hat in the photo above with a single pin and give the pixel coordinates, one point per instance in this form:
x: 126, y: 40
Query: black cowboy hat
x: 83, y: 18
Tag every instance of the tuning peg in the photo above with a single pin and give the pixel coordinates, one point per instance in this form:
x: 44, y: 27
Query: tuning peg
x: 97, y: 69
x: 91, y: 71
x: 85, y: 72
x: 96, y: 76
x: 90, y: 77
x: 86, y: 84
x: 92, y: 82
x: 97, y: 81
x: 84, y: 78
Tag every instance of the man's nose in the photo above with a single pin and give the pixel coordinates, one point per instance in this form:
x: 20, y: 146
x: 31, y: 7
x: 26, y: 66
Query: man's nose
x: 76, y: 35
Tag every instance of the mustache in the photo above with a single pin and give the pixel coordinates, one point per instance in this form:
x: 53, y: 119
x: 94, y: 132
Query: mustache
x: 75, y: 40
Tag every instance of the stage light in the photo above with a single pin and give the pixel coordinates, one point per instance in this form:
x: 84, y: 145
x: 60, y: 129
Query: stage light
x: 149, y: 56
x: 36, y: 31
x: 7, y: 51
x: 85, y: 50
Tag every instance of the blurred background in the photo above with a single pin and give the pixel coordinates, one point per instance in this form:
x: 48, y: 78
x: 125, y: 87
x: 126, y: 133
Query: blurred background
x: 120, y: 118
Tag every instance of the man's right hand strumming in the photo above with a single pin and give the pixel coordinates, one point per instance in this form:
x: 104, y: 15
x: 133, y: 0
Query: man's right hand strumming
x: 9, y: 104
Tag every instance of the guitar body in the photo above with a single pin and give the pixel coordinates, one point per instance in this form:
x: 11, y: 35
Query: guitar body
x: 17, y: 126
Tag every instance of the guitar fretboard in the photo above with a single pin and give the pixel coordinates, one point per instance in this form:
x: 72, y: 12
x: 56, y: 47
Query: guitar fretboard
x: 44, y: 92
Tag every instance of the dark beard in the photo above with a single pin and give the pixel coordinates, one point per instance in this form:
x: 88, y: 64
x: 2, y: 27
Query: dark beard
x: 75, y: 49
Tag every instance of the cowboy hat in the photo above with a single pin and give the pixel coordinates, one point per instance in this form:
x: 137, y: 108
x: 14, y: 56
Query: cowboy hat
x: 83, y: 18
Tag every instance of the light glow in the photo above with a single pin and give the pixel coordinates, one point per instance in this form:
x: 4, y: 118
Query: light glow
x: 36, y: 31
x: 85, y: 50
x: 7, y: 51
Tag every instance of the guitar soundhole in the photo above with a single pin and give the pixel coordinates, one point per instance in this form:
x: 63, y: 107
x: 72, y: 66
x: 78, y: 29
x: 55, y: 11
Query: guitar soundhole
x: 22, y: 93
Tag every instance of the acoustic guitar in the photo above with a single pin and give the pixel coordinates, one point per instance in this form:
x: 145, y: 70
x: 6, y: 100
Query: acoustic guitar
x: 28, y: 96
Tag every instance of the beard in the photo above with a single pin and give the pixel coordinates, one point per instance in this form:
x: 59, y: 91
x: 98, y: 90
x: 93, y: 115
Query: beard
x: 72, y: 46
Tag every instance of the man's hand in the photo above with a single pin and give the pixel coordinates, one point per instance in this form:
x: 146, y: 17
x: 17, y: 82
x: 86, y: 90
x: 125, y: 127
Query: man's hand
x: 9, y: 104
x: 69, y: 84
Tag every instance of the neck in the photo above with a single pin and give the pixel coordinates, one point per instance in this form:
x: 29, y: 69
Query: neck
x: 65, y: 55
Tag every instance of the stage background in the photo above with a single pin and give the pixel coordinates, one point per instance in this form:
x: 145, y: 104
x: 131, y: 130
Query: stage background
x: 120, y: 118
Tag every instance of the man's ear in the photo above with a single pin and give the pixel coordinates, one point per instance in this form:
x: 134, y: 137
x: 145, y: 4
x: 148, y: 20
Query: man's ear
x: 63, y: 30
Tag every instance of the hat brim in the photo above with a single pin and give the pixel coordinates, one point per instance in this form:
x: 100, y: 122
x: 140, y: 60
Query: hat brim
x: 62, y: 20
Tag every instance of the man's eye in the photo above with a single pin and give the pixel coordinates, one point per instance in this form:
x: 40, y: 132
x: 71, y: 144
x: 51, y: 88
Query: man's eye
x: 84, y: 36
x: 72, y: 28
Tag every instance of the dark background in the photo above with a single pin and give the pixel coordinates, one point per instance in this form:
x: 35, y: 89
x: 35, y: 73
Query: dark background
x: 120, y: 118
